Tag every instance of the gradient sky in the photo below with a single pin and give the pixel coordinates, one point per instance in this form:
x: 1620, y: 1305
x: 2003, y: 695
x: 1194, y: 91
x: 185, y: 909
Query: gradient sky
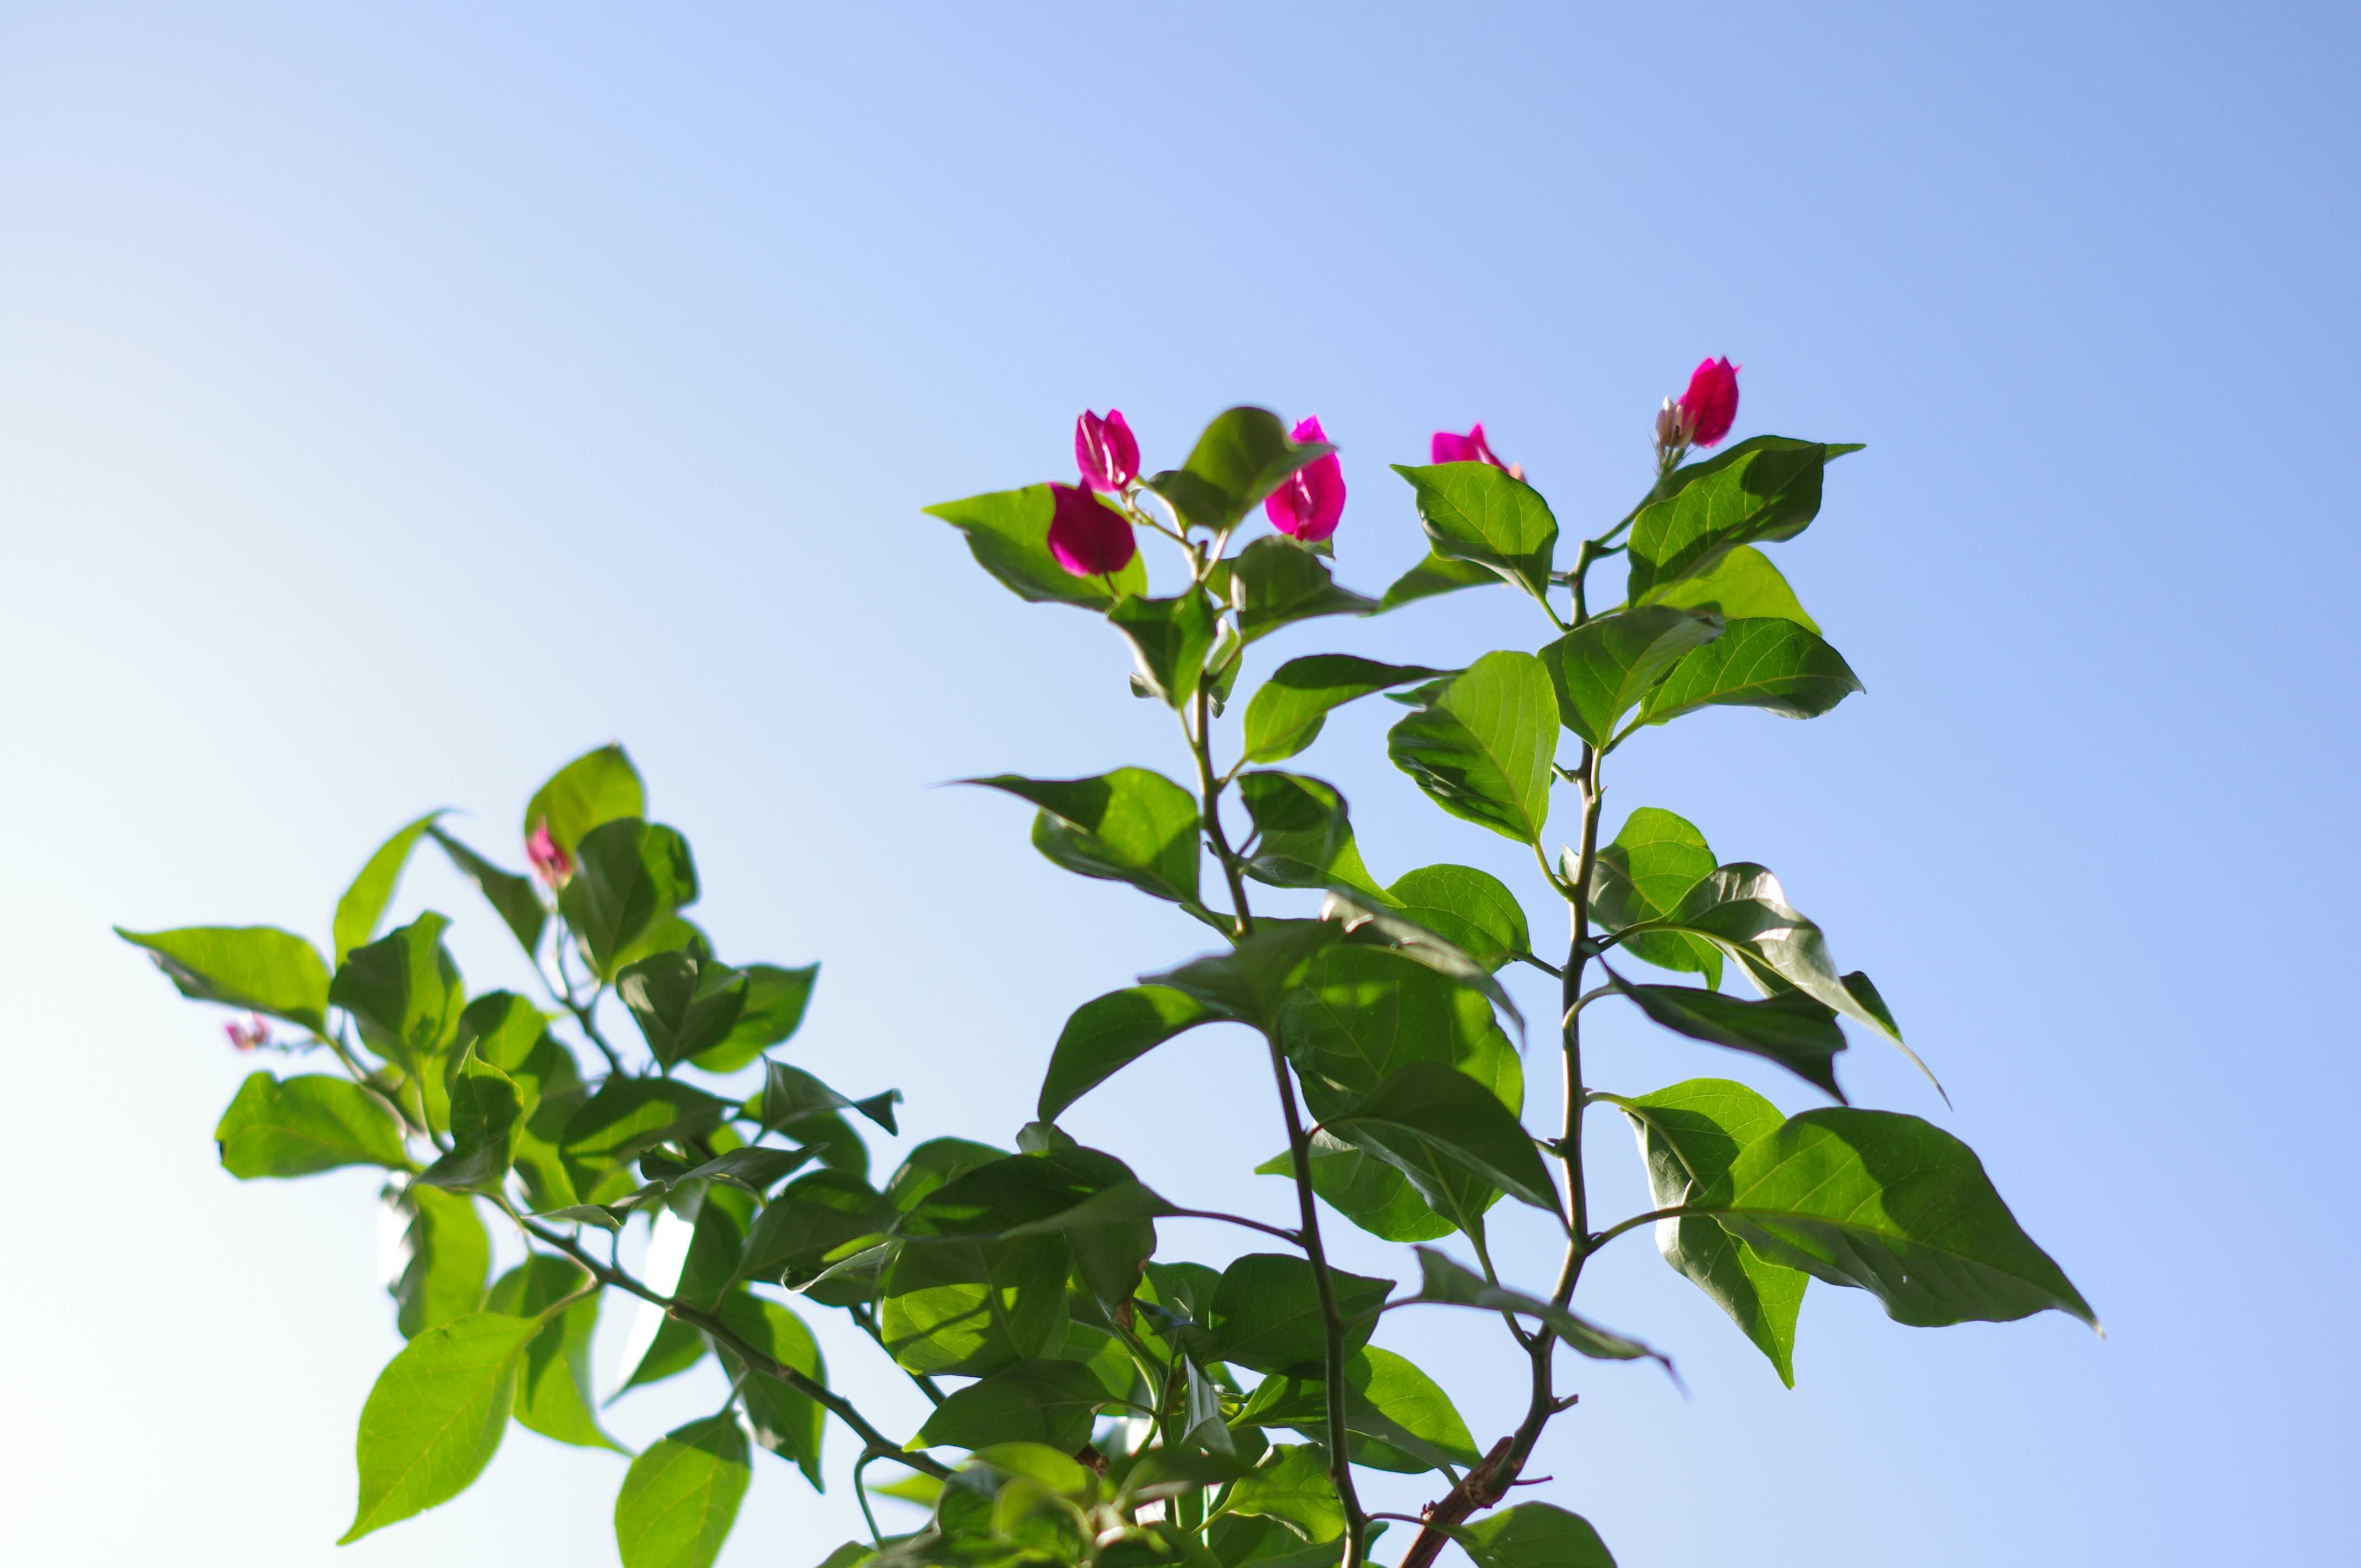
x: 395, y: 402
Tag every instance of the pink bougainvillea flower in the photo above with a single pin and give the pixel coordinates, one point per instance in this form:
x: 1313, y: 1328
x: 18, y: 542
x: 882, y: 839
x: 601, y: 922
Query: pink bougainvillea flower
x: 1105, y: 451
x: 1089, y: 537
x: 550, y: 861
x: 1471, y: 448
x: 247, y: 1034
x: 1308, y: 502
x: 1711, y: 405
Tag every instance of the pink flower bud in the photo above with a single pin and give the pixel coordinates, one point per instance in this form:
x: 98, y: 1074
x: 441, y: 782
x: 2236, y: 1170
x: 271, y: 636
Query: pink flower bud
x: 550, y: 861
x: 1469, y: 449
x: 1711, y: 405
x: 1309, y: 503
x: 1105, y: 451
x: 247, y: 1034
x: 1089, y: 537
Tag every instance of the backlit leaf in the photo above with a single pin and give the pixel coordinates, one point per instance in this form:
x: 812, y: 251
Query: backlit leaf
x: 681, y: 1497
x: 1482, y: 750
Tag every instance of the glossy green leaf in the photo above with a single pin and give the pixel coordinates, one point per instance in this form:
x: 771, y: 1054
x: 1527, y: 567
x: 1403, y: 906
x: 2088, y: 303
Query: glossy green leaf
x: 1131, y: 826
x: 1242, y: 457
x: 1371, y: 1193
x: 1643, y: 875
x: 934, y: 1165
x: 1275, y: 582
x: 1482, y: 750
x: 756, y: 1168
x: 1403, y: 1419
x: 1774, y: 665
x: 1266, y: 1312
x: 1533, y: 1535
x: 972, y: 1307
x: 1791, y: 1029
x: 1089, y: 1198
x: 1361, y: 1013
x: 1426, y: 1112
x: 1287, y: 712
x: 628, y: 1115
x: 1008, y: 532
x: 258, y: 968
x: 717, y: 1248
x: 553, y: 1390
x: 511, y: 897
x: 435, y: 1416
x: 485, y: 1111
x: 629, y: 875
x: 812, y: 1221
x: 1170, y: 640
x: 1367, y: 923
x: 1249, y: 983
x: 1764, y: 490
x: 789, y: 1423
x: 685, y: 1004
x: 773, y: 1010
x: 1049, y: 1402
x: 791, y: 1095
x: 1291, y: 1486
x: 1603, y: 668
x: 1435, y: 575
x: 299, y: 1126
x: 1110, y: 1033
x: 1477, y: 513
x: 364, y: 902
x: 1689, y: 1134
x: 1304, y: 833
x: 403, y: 991
x: 592, y: 789
x: 681, y: 1497
x: 676, y: 1347
x: 1742, y: 585
x: 1445, y: 1282
x: 1474, y: 910
x: 445, y: 1257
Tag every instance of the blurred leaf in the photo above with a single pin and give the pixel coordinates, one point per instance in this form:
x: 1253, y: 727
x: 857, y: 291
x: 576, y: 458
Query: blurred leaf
x: 1605, y: 666
x: 1267, y: 1311
x: 1242, y: 457
x: 1129, y: 826
x: 1049, y: 1402
x: 676, y: 1348
x: 628, y: 1115
x: 1291, y: 1486
x: 258, y: 968
x: 790, y: 1424
x: 1477, y: 513
x: 404, y: 992
x: 774, y: 1011
x: 1482, y: 750
x: 1534, y: 1535
x: 1445, y: 1282
x: 1766, y: 488
x: 485, y: 1109
x: 791, y: 1095
x: 1791, y: 1029
x: 1643, y: 875
x: 681, y: 1497
x: 443, y: 1256
x: 810, y: 1219
x: 1287, y: 712
x: 1742, y: 585
x: 1303, y: 834
x: 683, y: 1002
x: 1774, y: 665
x: 592, y: 789
x: 299, y: 1126
x: 364, y: 903
x: 1110, y: 1033
x: 934, y: 1164
x: 1170, y: 639
x: 1275, y: 582
x: 553, y: 1392
x: 1472, y: 909
x: 1435, y: 575
x: 510, y: 895
x: 435, y: 1416
x: 1008, y: 532
x: 629, y: 875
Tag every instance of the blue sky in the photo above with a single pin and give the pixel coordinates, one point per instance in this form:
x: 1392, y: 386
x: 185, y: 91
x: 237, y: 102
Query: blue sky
x: 395, y: 404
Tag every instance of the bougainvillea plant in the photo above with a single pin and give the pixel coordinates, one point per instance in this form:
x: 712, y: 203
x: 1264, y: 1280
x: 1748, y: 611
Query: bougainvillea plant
x: 1093, y: 1401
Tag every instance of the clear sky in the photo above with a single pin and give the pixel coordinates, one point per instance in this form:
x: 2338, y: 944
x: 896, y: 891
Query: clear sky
x: 396, y: 402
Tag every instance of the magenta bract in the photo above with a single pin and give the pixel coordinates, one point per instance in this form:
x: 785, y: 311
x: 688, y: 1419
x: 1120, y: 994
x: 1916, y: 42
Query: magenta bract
x: 1089, y: 537
x: 1711, y: 405
x: 550, y: 861
x: 1105, y: 451
x: 1311, y: 501
x: 1471, y: 448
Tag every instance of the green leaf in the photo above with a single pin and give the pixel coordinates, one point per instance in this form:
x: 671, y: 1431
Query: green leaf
x: 592, y: 789
x: 363, y: 903
x: 685, y: 1004
x: 1774, y: 665
x: 1243, y: 457
x: 1287, y: 712
x: 1275, y: 582
x: 628, y: 1115
x: 1473, y: 910
x: 791, y: 1095
x: 1110, y: 1033
x: 717, y: 1249
x: 1304, y: 833
x: 1894, y: 1206
x: 300, y: 1126
x: 1049, y: 1402
x: 755, y: 1169
x: 1291, y: 1486
x: 1089, y: 1198
x: 774, y: 1011
x: 1445, y: 1282
x: 1360, y: 1014
x: 553, y: 1392
x: 1482, y: 749
x: 509, y: 1033
x: 1643, y: 875
x: 435, y: 1416
x: 1426, y: 1114
x: 1266, y: 1312
x: 1688, y: 1135
x: 1764, y: 490
x: 1435, y: 575
x: 1170, y: 640
x: 790, y: 1424
x: 446, y: 1257
x: 629, y: 875
x: 485, y: 1111
x: 1477, y: 513
x: 1791, y: 1029
x: 1605, y: 666
x: 681, y: 1497
x: 811, y: 1221
x: 1008, y: 532
x: 1404, y: 1419
x: 1131, y: 826
x: 258, y: 968
x: 676, y: 1348
x: 510, y: 895
x: 972, y: 1307
x: 1373, y: 1194
x: 933, y: 1166
x: 1247, y: 984
x: 1534, y: 1535
x: 404, y: 992
x: 1742, y: 586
